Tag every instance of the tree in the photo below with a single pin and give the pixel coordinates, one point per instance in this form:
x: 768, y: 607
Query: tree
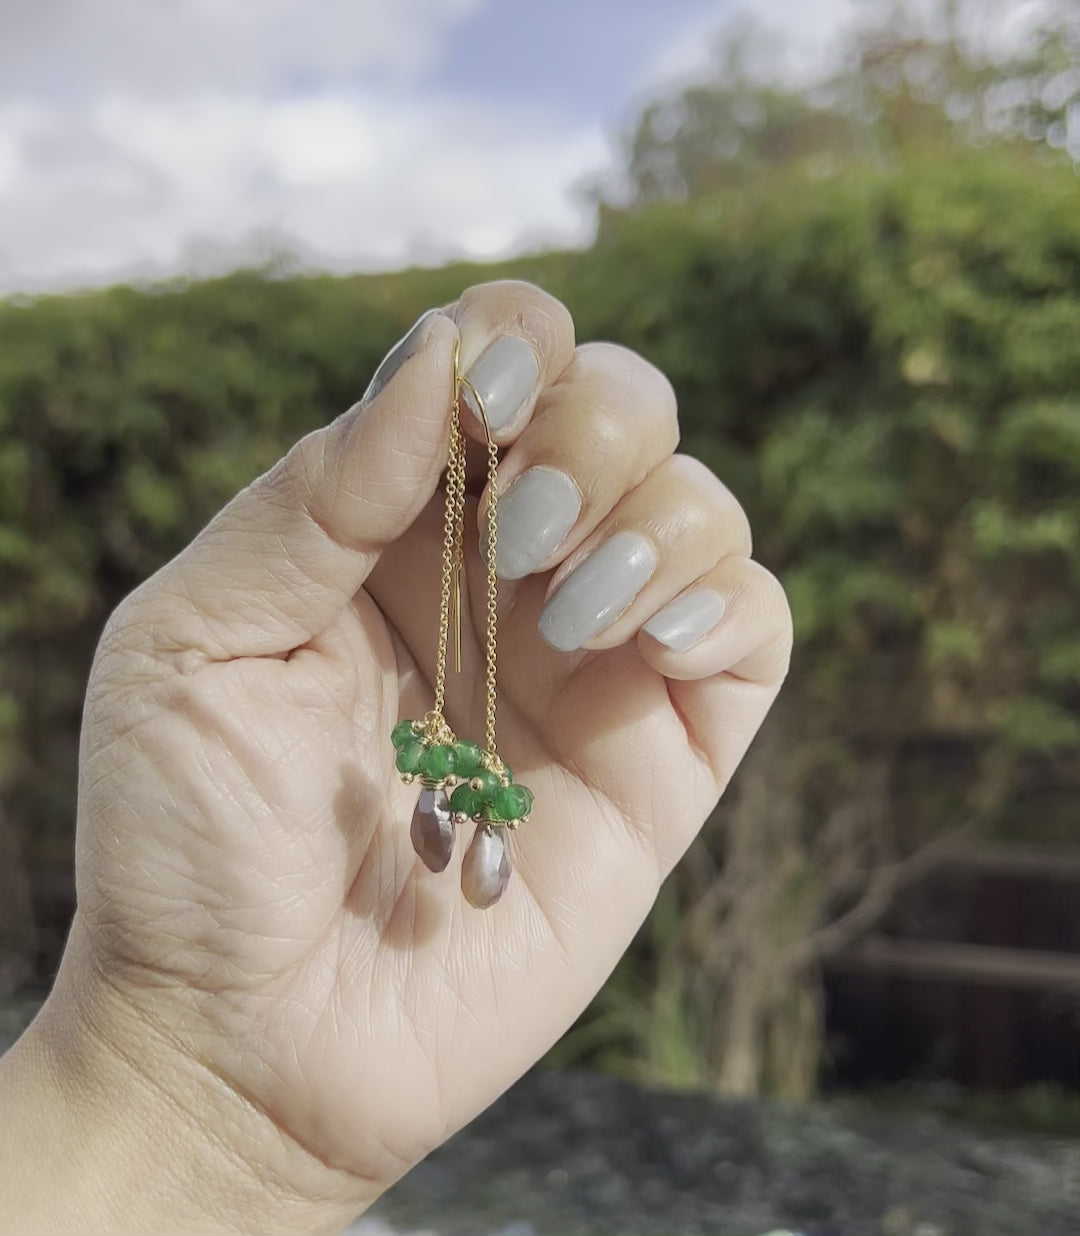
x: 901, y: 85
x: 892, y: 392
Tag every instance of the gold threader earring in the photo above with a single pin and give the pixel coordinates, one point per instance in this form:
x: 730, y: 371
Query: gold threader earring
x: 462, y: 781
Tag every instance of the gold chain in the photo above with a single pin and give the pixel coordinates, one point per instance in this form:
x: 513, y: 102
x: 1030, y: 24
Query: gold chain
x: 459, y: 530
x: 492, y: 617
x: 492, y: 589
x: 450, y: 595
x: 453, y: 566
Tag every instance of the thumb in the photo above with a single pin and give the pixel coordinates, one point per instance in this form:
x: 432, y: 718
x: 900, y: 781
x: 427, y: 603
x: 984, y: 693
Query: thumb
x: 277, y: 565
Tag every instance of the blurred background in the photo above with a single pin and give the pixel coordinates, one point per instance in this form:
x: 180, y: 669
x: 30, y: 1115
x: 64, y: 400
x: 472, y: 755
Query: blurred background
x: 848, y: 231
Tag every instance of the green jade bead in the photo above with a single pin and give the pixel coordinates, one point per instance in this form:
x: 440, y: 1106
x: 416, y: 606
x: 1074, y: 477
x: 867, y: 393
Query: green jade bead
x: 490, y: 784
x: 470, y: 760
x: 439, y: 762
x: 512, y: 802
x: 468, y: 801
x: 410, y: 756
x: 402, y: 733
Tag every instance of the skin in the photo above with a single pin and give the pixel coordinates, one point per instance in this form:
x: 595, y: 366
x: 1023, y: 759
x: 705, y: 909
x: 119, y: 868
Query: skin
x: 268, y: 1010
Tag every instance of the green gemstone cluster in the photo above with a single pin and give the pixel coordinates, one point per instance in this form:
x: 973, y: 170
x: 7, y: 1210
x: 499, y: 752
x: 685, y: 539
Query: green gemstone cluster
x: 483, y: 786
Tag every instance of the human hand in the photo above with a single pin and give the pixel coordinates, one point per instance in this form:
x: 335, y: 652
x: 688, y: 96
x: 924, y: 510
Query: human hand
x: 255, y: 939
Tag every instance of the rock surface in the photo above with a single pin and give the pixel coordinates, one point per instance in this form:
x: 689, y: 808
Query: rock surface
x: 565, y: 1154
x: 577, y: 1155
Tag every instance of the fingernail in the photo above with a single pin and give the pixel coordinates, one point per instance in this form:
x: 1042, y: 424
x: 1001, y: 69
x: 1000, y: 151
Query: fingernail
x: 597, y: 592
x: 399, y: 354
x: 535, y: 514
x: 688, y: 618
x: 504, y: 375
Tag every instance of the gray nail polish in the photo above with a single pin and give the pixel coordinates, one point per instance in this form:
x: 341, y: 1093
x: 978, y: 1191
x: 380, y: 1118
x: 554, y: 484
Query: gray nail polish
x: 399, y: 354
x: 535, y: 514
x: 597, y: 592
x: 504, y: 375
x: 687, y: 619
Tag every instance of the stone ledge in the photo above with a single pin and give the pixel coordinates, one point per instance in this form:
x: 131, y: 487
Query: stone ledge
x: 582, y: 1155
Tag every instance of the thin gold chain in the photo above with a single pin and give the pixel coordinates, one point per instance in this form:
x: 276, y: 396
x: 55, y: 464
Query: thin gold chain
x: 492, y: 590
x: 453, y: 564
x: 492, y: 617
x: 459, y: 529
x: 449, y: 596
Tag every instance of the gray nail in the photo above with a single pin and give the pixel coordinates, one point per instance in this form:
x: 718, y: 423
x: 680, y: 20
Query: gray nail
x: 504, y: 375
x: 399, y: 354
x: 687, y: 619
x: 597, y: 592
x: 535, y: 514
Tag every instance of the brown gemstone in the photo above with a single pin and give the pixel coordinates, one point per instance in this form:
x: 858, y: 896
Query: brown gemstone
x: 432, y: 829
x: 486, y: 869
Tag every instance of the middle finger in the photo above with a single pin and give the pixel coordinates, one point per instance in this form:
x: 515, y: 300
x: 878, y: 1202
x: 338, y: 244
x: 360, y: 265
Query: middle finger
x: 597, y: 432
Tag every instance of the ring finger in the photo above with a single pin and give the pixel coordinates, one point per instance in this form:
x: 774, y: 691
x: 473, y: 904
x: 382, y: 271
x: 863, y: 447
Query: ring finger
x: 669, y: 530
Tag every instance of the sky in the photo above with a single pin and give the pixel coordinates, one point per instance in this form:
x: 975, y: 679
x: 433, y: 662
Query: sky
x: 140, y: 139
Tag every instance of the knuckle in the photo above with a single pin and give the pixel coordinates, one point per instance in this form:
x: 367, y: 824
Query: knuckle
x: 631, y: 380
x: 308, y: 479
x: 131, y: 649
x: 118, y: 625
x: 773, y: 606
x: 523, y: 308
x: 718, y: 503
x: 601, y: 434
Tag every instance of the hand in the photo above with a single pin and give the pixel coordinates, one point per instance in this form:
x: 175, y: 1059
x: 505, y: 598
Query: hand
x: 255, y: 939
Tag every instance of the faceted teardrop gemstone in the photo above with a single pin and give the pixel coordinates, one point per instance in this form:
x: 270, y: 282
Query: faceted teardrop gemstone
x: 486, y: 869
x: 432, y: 829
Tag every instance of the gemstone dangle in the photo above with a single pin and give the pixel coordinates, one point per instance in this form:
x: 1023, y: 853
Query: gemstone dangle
x: 462, y: 781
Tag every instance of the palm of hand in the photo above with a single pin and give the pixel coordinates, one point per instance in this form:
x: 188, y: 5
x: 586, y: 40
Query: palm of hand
x: 268, y: 872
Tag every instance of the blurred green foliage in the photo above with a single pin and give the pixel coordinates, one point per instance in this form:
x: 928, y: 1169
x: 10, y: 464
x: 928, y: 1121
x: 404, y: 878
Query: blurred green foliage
x: 884, y: 371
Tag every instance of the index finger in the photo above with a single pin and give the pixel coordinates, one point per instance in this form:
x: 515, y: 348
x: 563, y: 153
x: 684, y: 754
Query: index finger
x: 278, y: 564
x: 516, y: 339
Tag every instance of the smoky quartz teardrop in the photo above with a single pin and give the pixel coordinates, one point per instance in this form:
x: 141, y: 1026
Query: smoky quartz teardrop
x: 432, y: 829
x: 486, y: 869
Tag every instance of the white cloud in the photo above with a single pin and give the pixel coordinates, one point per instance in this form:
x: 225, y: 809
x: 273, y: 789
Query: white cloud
x: 139, y: 138
x: 352, y: 180
x: 76, y: 48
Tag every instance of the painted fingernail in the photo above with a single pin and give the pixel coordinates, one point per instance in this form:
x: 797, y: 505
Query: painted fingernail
x: 680, y: 624
x: 596, y: 593
x: 504, y: 375
x: 405, y: 347
x: 535, y: 514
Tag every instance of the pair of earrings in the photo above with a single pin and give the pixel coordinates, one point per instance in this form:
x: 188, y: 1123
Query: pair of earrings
x: 462, y: 781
